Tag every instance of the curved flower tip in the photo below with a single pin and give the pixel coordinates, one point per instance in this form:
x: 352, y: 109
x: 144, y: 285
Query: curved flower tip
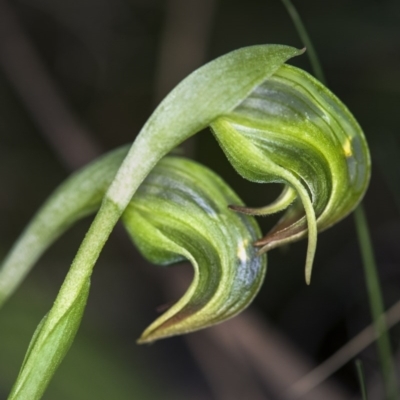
x: 292, y: 129
x: 180, y: 213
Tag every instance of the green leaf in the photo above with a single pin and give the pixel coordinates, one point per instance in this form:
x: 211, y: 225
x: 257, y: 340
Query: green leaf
x: 292, y: 129
x: 181, y: 212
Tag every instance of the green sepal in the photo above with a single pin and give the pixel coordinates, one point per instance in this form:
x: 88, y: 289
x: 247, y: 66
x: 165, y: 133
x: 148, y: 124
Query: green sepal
x: 291, y: 129
x: 191, y: 221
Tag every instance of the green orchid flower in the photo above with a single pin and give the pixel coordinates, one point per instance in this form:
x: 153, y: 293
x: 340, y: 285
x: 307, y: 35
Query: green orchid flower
x: 275, y: 123
x: 291, y: 129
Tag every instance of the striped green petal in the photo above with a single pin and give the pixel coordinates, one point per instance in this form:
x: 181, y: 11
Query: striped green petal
x: 181, y: 212
x: 291, y: 129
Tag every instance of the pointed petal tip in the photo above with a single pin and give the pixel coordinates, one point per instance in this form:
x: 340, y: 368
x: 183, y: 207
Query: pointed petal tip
x: 144, y: 340
x: 150, y: 337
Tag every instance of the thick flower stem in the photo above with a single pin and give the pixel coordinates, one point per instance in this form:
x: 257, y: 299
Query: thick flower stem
x: 87, y: 255
x: 57, y: 330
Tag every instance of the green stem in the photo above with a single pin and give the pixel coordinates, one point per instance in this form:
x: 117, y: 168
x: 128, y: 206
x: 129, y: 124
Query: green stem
x: 86, y: 257
x: 376, y: 304
x: 361, y: 379
x: 56, y: 333
x: 302, y: 32
x: 370, y: 270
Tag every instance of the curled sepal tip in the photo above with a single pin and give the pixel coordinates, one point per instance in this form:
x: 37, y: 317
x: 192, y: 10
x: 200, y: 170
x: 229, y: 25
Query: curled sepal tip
x: 181, y: 213
x: 291, y: 129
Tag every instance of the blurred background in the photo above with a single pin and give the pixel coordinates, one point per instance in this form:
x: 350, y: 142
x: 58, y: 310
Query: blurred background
x: 80, y: 77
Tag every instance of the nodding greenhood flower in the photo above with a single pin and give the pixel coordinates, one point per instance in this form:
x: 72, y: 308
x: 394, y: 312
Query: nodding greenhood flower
x: 275, y: 123
x: 291, y: 129
x: 180, y: 212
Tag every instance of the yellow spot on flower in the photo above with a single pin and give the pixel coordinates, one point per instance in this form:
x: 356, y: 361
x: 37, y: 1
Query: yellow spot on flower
x: 242, y: 253
x: 347, y: 148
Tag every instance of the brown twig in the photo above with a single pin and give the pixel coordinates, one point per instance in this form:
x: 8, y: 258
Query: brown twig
x: 275, y: 360
x: 254, y: 347
x: 345, y: 354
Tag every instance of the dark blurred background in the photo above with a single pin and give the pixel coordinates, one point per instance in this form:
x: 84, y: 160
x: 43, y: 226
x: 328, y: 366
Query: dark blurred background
x: 80, y: 77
